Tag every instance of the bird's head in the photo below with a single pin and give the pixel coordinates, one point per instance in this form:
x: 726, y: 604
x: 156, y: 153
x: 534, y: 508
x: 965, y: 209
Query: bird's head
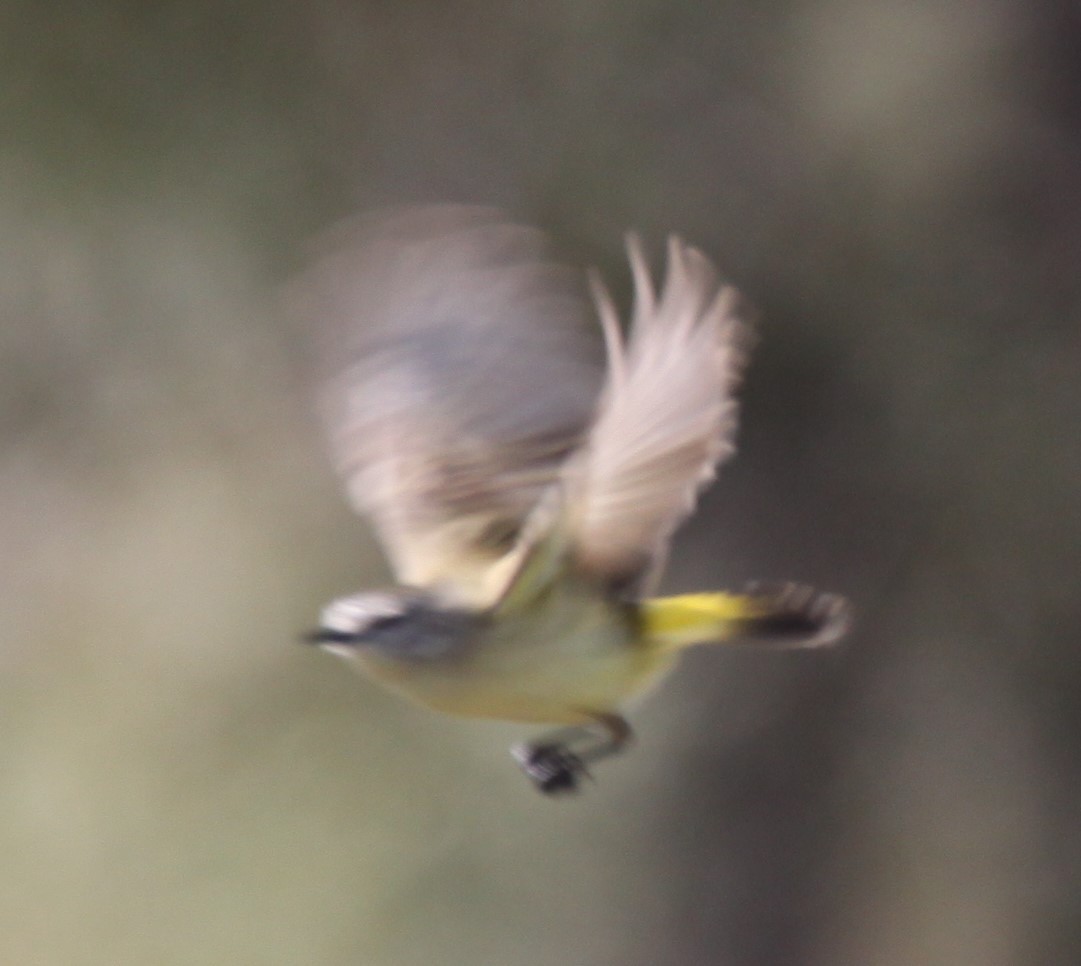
x: 397, y: 623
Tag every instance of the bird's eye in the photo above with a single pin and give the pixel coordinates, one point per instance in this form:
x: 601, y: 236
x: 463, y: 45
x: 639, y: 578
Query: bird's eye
x: 386, y: 621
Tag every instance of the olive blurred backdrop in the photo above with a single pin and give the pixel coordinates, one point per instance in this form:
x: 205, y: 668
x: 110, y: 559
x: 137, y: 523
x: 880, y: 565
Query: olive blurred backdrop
x: 897, y: 186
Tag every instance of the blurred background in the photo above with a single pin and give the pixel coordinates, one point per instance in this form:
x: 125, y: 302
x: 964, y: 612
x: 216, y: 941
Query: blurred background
x: 897, y: 186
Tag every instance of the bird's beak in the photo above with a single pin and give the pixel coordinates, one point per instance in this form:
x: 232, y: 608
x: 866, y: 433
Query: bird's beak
x: 323, y: 636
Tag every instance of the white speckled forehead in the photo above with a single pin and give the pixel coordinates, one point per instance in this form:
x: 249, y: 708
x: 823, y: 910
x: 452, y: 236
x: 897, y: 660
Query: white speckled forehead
x: 349, y: 615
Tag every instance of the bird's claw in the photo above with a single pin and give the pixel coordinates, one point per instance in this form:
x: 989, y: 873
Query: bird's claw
x: 554, y: 769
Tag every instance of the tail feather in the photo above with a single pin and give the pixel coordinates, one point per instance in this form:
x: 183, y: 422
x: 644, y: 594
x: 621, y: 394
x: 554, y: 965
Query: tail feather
x: 782, y: 616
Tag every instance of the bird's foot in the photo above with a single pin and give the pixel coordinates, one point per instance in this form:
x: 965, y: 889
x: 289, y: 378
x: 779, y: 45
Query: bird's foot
x: 553, y: 768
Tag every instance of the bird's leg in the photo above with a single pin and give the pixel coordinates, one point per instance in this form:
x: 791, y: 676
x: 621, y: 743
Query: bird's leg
x: 555, y: 761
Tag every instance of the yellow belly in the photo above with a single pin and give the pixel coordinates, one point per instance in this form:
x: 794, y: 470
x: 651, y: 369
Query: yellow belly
x: 569, y: 656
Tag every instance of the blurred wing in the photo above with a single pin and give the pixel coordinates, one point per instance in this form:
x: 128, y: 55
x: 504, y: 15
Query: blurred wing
x: 666, y: 419
x: 459, y: 373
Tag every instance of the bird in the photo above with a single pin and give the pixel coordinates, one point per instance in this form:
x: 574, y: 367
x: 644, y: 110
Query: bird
x: 525, y: 459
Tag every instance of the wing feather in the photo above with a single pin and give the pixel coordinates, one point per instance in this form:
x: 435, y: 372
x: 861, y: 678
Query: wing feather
x: 459, y: 369
x: 667, y: 416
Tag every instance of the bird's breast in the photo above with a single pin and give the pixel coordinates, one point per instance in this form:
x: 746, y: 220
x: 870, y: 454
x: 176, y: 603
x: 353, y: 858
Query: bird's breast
x: 563, y: 654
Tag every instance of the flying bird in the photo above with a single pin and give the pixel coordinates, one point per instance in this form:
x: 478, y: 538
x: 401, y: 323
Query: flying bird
x: 525, y: 486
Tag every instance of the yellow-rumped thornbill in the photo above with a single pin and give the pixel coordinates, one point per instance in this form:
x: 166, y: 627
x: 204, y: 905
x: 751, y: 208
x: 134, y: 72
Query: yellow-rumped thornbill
x: 525, y: 490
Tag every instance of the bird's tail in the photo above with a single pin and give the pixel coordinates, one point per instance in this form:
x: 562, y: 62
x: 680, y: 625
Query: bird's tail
x: 781, y: 616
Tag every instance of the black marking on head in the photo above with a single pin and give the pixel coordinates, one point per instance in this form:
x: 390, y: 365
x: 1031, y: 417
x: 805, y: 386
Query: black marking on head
x: 401, y: 624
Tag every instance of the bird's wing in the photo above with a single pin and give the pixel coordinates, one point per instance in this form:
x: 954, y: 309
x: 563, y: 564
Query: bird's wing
x: 460, y: 370
x: 666, y: 418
